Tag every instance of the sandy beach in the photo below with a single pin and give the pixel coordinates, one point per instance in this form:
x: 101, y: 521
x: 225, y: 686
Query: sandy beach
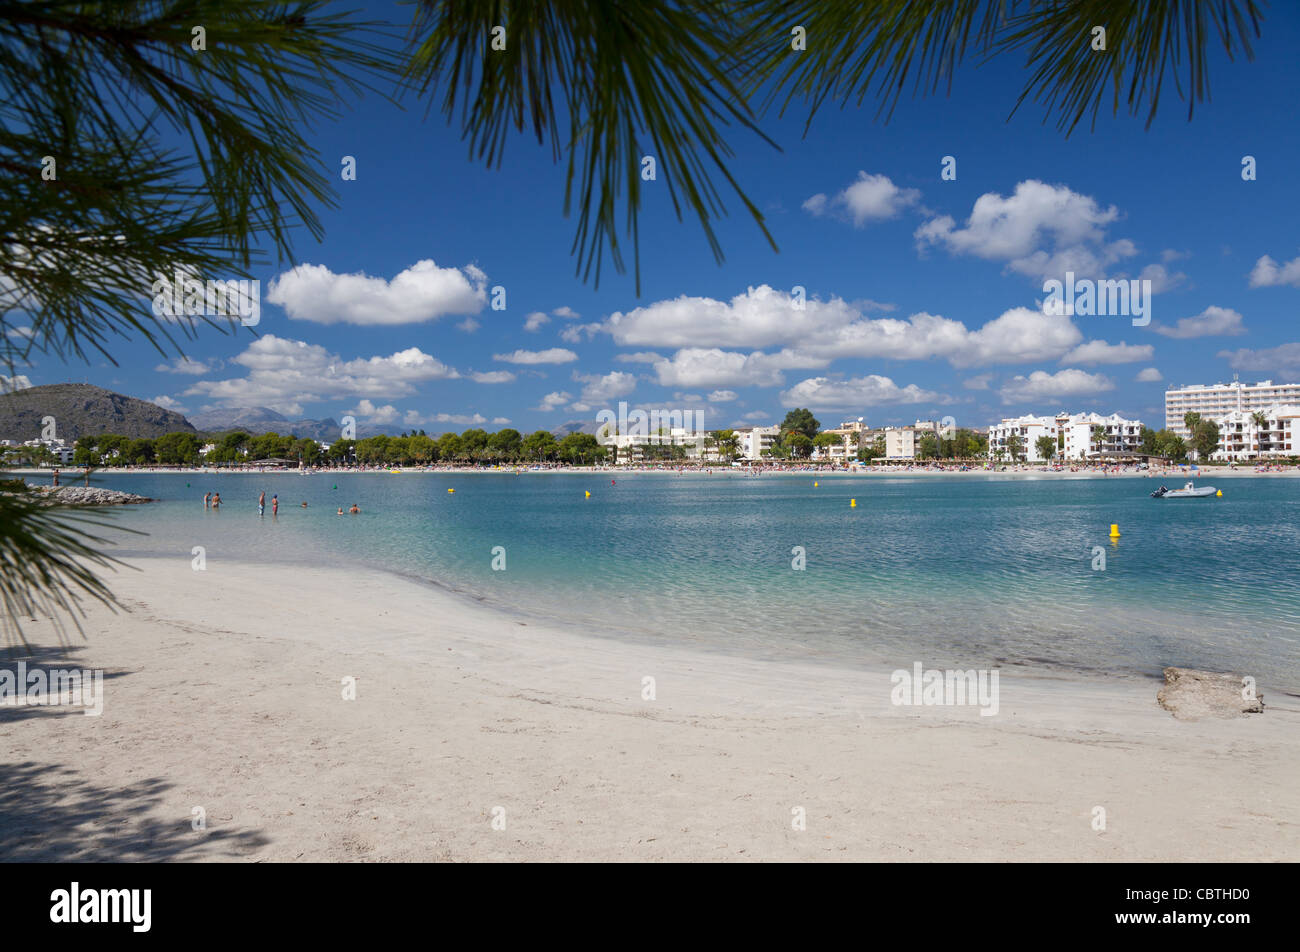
x: 223, y: 691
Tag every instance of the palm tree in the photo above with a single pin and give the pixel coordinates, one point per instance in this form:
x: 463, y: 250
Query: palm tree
x: 1098, y: 437
x: 1261, y: 426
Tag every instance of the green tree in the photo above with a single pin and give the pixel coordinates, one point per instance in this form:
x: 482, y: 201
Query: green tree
x: 341, y: 451
x: 1046, y: 446
x: 1098, y: 434
x: 474, y: 444
x: 305, y: 449
x: 1149, y: 442
x: 728, y: 444
x: 1170, y: 444
x: 450, y: 447
x: 800, y: 421
x: 112, y: 446
x: 177, y: 448
x: 1016, y: 447
x: 373, y: 450
x: 140, y: 452
x: 540, y: 446
x: 580, y: 448
x: 797, y: 444
x: 1205, y: 439
x: 268, y: 446
x: 506, y: 445
x: 423, y: 449
x: 823, y: 441
x: 86, y: 451
x: 928, y: 446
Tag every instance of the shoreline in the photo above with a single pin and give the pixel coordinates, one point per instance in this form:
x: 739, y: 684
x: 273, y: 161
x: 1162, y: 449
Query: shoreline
x: 222, y: 691
x: 70, y: 475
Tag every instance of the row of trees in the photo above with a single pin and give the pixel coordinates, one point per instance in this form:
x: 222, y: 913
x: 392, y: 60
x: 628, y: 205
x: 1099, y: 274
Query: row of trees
x: 186, y: 449
x: 472, y: 446
x: 800, y: 435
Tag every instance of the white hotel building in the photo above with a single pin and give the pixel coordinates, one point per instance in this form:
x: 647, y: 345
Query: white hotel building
x: 1072, y: 433
x: 1240, y: 437
x: 1214, y: 401
x: 753, y: 441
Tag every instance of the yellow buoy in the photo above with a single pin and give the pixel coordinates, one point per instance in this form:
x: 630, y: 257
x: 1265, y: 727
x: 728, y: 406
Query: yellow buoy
x: 451, y: 490
x: 588, y: 493
x: 853, y: 503
x: 1114, y: 530
x: 1219, y: 493
x: 815, y: 485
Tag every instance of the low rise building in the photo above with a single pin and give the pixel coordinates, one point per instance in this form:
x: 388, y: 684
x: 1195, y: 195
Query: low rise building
x: 1077, y: 436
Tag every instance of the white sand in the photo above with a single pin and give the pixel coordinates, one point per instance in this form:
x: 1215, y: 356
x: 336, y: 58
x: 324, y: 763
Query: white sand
x: 223, y: 692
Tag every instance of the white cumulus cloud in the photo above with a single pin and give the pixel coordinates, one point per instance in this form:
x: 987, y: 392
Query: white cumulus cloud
x: 423, y: 292
x: 870, y: 198
x: 822, y: 393
x: 184, y: 365
x: 284, y: 373
x: 1100, y: 352
x: 1211, y: 322
x: 1040, y: 231
x: 555, y: 355
x: 1268, y: 273
x: 828, y: 330
x: 1041, y: 385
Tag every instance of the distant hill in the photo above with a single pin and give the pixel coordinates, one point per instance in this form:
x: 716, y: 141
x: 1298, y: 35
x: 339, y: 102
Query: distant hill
x: 80, y: 409
x: 259, y: 420
x: 575, y: 426
x: 252, y: 419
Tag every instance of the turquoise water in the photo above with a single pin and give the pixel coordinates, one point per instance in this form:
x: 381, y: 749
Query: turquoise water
x: 960, y: 571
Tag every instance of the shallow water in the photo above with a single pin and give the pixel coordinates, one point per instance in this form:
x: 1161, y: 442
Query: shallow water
x: 952, y: 571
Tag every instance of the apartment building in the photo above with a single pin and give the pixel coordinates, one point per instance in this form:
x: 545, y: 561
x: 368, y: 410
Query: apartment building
x: 1213, y: 401
x: 853, y: 434
x: 632, y: 446
x: 1073, y: 434
x: 753, y: 440
x: 900, y: 442
x: 1242, y: 436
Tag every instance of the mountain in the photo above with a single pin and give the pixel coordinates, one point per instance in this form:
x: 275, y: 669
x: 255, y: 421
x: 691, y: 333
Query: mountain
x: 259, y: 420
x: 575, y: 426
x: 251, y: 419
x: 83, y: 410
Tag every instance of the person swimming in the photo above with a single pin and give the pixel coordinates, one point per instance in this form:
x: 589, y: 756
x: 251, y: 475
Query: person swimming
x: 340, y: 510
x: 354, y: 510
x: 304, y: 505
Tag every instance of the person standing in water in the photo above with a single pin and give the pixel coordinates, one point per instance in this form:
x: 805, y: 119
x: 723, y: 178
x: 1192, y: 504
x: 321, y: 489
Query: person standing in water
x: 261, y: 503
x: 207, y: 500
x: 56, y: 477
x: 216, y: 500
x: 275, y: 504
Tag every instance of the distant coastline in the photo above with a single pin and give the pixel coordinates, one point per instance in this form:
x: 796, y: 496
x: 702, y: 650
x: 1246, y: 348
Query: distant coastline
x: 72, y: 473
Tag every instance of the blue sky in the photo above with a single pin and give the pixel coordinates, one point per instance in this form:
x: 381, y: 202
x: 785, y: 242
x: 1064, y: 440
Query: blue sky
x: 921, y: 303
